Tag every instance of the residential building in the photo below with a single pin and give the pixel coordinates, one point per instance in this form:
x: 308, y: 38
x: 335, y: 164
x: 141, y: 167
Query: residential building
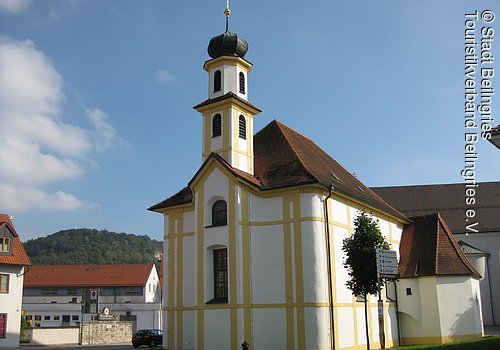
x: 483, y: 234
x: 495, y: 136
x: 13, y: 263
x: 62, y: 295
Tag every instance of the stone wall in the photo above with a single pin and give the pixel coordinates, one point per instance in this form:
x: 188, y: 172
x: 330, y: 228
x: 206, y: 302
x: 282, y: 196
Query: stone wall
x: 106, y: 332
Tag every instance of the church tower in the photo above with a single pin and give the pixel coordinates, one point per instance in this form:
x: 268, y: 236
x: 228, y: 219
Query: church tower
x: 227, y: 114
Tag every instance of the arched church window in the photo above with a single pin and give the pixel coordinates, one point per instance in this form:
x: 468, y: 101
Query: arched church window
x: 216, y: 125
x: 219, y: 213
x: 242, y: 82
x: 243, y: 128
x: 217, y: 80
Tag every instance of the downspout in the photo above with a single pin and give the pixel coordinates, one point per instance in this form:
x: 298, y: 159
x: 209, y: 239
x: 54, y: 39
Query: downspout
x: 329, y: 269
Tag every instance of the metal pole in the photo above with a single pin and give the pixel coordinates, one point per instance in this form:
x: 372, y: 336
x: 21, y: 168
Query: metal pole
x: 381, y: 331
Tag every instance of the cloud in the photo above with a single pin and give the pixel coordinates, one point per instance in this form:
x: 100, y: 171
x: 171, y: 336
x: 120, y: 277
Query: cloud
x: 38, y: 147
x: 105, y: 132
x: 164, y: 77
x: 14, y: 6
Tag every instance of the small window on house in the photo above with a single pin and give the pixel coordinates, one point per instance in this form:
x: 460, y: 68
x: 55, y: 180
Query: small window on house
x: 46, y: 318
x: 408, y: 291
x: 217, y: 80
x: 75, y: 317
x: 216, y: 125
x: 72, y: 291
x: 4, y: 283
x: 57, y: 317
x: 243, y: 128
x: 219, y: 213
x: 3, y: 325
x: 242, y: 83
x: 220, y: 275
x: 4, y: 244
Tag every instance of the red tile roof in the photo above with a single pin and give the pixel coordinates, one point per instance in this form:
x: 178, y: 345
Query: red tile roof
x: 18, y: 255
x: 285, y: 158
x: 428, y: 248
x: 125, y: 275
x: 449, y: 201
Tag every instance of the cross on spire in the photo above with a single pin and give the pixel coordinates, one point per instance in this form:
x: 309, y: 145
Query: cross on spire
x: 227, y: 12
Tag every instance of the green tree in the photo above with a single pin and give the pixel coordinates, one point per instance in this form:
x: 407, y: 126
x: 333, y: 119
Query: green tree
x: 360, y: 261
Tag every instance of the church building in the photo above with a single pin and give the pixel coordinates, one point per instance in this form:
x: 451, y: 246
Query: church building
x: 253, y: 243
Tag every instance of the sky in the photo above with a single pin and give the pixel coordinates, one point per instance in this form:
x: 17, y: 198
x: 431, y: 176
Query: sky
x: 96, y: 117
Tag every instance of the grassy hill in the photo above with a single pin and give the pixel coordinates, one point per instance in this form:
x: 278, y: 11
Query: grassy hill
x: 90, y: 246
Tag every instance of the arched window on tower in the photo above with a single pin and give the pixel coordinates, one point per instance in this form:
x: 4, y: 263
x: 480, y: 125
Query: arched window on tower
x: 242, y: 83
x: 216, y: 125
x: 219, y: 213
x: 217, y: 80
x: 243, y: 128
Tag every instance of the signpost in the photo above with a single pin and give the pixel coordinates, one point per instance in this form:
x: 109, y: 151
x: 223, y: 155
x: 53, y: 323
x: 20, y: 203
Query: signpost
x: 387, y: 267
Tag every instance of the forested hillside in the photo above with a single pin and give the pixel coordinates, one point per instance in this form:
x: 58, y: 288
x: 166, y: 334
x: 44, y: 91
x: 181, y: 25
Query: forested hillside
x: 90, y: 246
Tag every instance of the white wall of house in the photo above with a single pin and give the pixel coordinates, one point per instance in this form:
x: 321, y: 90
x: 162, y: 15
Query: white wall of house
x: 490, y: 283
x: 10, y: 304
x: 277, y: 258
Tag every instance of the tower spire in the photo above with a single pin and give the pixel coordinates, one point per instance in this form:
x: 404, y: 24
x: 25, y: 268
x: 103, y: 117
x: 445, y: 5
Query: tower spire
x: 227, y: 12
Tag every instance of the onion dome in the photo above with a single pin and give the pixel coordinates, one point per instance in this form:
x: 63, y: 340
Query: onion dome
x: 227, y: 44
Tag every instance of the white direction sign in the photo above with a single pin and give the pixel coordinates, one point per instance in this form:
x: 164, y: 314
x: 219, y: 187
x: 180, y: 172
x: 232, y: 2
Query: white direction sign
x: 387, y: 263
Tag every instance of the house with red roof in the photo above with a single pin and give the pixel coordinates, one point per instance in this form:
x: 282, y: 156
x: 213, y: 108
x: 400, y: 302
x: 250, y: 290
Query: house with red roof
x: 65, y: 295
x: 13, y: 264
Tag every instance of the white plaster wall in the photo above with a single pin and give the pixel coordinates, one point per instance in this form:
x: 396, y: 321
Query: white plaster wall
x: 375, y: 329
x: 10, y: 303
x: 460, y: 314
x: 314, y: 261
x: 265, y: 209
x: 215, y: 187
x: 410, y: 304
x: 242, y: 162
x: 267, y: 264
x: 217, y: 326
x: 188, y: 270
x: 345, y: 327
x: 317, y: 323
x: 384, y: 228
x: 360, y: 321
x: 397, y: 231
x: 311, y: 205
x: 269, y: 329
x: 344, y: 295
x: 490, y: 286
x: 339, y: 210
x: 188, y: 221
x: 188, y: 320
x: 429, y: 325
x: 216, y: 142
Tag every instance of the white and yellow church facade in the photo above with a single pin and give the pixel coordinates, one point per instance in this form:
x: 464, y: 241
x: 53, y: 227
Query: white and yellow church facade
x: 253, y: 243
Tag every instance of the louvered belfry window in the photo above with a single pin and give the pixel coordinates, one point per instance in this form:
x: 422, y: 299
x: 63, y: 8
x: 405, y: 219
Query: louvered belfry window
x: 217, y: 80
x: 220, y: 275
x: 242, y: 82
x: 243, y: 128
x: 216, y: 125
